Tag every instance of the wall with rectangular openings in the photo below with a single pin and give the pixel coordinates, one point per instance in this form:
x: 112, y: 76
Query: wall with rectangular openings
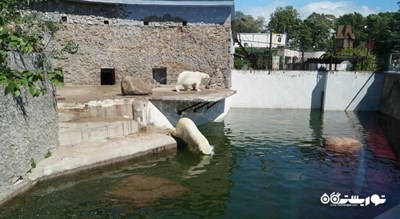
x: 136, y: 39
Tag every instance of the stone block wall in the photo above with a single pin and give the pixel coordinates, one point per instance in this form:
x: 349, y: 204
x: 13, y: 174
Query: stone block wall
x: 135, y: 39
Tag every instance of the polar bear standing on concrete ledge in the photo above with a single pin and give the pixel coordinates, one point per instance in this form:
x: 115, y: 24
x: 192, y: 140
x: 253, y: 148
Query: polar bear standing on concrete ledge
x: 190, y: 79
x: 188, y: 132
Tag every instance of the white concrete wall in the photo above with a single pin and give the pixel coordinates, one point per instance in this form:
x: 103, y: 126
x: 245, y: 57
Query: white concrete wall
x: 277, y: 89
x: 339, y: 90
x: 390, y: 103
x: 353, y: 91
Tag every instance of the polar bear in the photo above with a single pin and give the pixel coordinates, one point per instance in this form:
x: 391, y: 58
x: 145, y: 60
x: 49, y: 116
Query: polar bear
x: 188, y: 132
x: 190, y: 79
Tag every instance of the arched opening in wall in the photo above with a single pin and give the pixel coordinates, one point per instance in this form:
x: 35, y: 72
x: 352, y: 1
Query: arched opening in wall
x: 160, y: 75
x: 107, y: 76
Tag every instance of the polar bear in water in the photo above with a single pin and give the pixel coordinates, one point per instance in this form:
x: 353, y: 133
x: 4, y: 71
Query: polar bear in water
x: 188, y: 132
x: 190, y: 79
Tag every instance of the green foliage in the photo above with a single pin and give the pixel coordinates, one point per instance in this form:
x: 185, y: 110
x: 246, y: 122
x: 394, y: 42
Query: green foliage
x: 13, y: 41
x: 368, y: 62
x: 10, y: 10
x: 319, y: 27
x: 285, y: 20
x: 33, y: 28
x: 240, y: 63
x: 303, y: 38
x: 255, y: 58
x: 71, y: 47
x: 387, y: 39
x: 48, y: 154
x: 23, y: 41
x: 379, y: 34
x: 247, y: 24
x: 33, y: 163
x: 15, y: 80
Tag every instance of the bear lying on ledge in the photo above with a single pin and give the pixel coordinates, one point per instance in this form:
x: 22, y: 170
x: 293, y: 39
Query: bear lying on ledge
x: 190, y: 79
x: 188, y: 132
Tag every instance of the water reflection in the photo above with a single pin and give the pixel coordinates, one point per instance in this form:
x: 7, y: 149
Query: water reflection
x: 296, y: 170
x: 267, y: 163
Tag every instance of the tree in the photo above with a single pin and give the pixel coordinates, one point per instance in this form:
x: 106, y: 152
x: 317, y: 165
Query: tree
x: 367, y: 64
x: 285, y: 20
x: 247, y: 24
x: 320, y: 27
x: 358, y: 23
x: 302, y: 38
x: 387, y: 39
x: 10, y: 9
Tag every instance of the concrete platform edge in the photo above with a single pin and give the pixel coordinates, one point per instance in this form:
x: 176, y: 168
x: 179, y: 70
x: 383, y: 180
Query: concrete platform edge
x: 25, y: 185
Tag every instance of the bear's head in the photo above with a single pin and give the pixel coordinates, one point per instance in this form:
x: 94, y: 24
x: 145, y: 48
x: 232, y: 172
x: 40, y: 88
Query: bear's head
x: 205, y: 76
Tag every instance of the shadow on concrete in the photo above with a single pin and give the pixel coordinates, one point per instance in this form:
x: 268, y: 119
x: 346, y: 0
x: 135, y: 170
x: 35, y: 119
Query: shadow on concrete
x: 316, y: 123
x: 370, y: 101
x: 200, y: 112
x: 317, y: 97
x: 391, y: 96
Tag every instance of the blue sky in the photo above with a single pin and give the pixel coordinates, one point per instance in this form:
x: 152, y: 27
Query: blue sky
x: 306, y: 7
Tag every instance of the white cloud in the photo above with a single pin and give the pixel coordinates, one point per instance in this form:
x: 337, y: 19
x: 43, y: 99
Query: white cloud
x: 327, y: 7
x: 336, y: 8
x: 262, y: 11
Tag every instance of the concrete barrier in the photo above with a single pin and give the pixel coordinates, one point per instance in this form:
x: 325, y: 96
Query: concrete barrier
x: 390, y: 104
x: 339, y: 90
x: 353, y: 91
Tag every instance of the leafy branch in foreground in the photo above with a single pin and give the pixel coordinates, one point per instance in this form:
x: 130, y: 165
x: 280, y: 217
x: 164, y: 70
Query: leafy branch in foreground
x: 14, y: 80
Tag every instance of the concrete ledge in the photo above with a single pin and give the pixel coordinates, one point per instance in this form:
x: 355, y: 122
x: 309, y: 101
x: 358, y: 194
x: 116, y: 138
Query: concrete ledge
x: 85, y: 156
x: 16, y: 189
x: 72, y: 159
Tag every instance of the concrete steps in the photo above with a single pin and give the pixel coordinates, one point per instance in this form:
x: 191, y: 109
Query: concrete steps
x: 74, y: 133
x: 82, y: 123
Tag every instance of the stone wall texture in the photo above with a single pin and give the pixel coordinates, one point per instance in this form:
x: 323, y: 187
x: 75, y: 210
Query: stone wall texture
x: 28, y: 130
x: 134, y: 40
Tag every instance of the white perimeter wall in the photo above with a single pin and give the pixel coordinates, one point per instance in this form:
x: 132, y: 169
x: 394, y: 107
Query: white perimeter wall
x: 359, y: 91
x: 338, y: 90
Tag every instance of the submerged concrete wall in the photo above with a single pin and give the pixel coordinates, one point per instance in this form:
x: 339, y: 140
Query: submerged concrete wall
x: 28, y: 130
x: 390, y: 103
x: 339, y: 90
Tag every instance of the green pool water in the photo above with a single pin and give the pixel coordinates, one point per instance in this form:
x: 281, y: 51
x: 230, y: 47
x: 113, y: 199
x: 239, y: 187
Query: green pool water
x: 267, y: 164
